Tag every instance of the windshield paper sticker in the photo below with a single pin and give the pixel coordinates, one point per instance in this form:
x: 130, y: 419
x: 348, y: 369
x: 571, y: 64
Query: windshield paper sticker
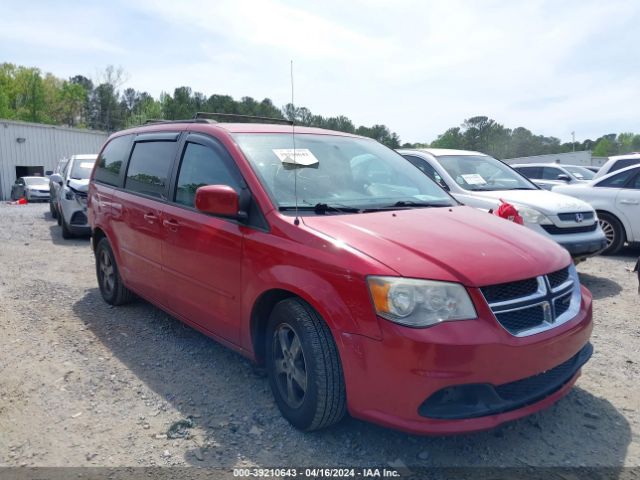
x: 474, y: 179
x: 86, y: 165
x: 303, y: 156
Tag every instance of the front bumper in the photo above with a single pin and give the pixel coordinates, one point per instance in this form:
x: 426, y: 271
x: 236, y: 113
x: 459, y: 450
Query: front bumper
x: 389, y: 380
x: 579, y: 245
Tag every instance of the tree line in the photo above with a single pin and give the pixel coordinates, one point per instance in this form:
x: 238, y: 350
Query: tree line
x: 29, y: 95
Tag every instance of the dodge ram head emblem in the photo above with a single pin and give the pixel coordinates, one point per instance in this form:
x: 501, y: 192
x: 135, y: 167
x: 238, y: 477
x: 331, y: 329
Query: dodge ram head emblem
x: 579, y: 217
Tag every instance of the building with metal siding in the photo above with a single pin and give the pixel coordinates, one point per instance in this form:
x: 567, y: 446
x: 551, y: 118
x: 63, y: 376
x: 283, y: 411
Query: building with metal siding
x: 28, y: 148
x: 583, y: 158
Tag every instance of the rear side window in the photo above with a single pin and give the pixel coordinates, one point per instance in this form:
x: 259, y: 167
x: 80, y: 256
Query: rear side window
x: 201, y: 166
x: 627, y: 162
x: 617, y: 181
x: 149, y: 168
x: 113, y: 156
x: 530, y: 172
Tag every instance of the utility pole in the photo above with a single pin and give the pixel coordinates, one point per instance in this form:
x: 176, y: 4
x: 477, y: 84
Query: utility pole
x: 573, y: 140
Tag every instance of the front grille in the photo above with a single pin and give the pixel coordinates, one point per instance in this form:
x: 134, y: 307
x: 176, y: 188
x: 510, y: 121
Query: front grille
x: 554, y: 230
x: 518, y: 321
x: 508, y: 291
x: 78, y: 218
x: 530, y: 306
x: 558, y: 278
x: 571, y: 217
x: 562, y: 304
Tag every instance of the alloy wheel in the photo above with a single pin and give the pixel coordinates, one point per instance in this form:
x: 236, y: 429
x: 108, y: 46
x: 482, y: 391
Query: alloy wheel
x: 290, y: 365
x: 609, y: 231
x: 107, y: 272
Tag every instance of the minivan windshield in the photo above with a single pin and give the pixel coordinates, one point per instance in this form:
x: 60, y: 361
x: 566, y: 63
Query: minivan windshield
x: 337, y: 173
x: 483, y: 173
x: 81, y: 169
x: 580, y: 173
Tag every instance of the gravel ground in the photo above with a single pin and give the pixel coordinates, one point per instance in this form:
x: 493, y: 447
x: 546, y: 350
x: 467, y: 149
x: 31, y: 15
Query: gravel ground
x: 83, y: 384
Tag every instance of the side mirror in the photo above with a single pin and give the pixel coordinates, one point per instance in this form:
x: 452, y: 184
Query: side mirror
x: 56, y: 177
x: 563, y: 177
x: 218, y: 200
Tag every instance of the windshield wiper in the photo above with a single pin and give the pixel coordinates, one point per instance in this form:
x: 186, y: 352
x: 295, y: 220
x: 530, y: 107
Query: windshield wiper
x: 406, y: 204
x: 321, y: 208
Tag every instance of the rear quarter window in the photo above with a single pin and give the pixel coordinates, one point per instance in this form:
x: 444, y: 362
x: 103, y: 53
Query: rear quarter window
x: 111, y: 160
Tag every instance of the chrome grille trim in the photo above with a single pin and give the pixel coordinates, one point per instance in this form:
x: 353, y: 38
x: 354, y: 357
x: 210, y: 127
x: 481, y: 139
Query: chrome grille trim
x: 547, y: 297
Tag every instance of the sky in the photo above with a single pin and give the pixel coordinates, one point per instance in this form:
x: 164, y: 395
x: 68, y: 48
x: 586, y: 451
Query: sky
x: 418, y: 67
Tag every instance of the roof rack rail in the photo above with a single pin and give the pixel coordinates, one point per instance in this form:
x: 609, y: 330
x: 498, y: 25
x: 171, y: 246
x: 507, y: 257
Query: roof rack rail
x: 190, y: 120
x: 241, y: 118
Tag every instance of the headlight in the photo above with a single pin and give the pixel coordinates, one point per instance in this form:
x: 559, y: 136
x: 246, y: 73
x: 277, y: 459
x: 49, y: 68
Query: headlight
x: 419, y: 303
x: 531, y: 215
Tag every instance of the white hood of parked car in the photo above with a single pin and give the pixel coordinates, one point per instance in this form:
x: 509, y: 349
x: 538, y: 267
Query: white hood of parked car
x: 547, y: 202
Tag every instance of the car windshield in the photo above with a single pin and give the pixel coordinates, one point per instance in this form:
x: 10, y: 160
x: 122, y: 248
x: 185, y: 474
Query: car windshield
x: 580, y: 173
x: 81, y: 169
x: 483, y: 173
x: 337, y: 172
x: 36, y: 181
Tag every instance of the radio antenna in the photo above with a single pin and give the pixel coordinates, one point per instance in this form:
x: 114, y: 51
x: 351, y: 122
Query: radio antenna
x: 296, y: 221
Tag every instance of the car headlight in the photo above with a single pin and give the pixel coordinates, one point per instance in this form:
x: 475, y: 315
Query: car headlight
x: 531, y: 215
x: 420, y: 303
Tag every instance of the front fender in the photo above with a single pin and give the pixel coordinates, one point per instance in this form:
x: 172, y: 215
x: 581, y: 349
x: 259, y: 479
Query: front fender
x: 341, y: 299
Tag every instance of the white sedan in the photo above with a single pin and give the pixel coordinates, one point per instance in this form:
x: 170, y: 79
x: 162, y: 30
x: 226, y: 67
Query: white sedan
x: 616, y: 199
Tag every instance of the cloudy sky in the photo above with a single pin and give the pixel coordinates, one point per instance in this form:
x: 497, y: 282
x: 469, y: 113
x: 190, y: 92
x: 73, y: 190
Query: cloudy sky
x: 419, y: 67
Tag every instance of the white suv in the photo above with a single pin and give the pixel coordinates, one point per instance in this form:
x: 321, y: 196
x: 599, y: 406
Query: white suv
x: 617, y: 163
x: 71, y: 196
x: 481, y: 181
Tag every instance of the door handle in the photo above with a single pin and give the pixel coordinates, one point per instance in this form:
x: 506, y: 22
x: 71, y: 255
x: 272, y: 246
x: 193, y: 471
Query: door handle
x: 150, y: 217
x: 629, y: 202
x: 171, y: 225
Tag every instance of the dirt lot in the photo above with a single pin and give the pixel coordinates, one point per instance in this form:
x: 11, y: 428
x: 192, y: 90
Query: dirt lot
x: 83, y: 384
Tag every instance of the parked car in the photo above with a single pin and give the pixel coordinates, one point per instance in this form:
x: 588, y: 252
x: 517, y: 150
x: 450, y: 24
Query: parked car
x: 593, y: 168
x: 71, y: 199
x: 361, y: 285
x: 31, y: 188
x: 548, y: 175
x: 617, y: 163
x: 481, y: 181
x: 616, y: 198
x: 54, y: 186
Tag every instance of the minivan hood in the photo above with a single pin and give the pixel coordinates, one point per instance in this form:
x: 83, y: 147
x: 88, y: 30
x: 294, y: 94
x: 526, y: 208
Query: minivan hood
x: 458, y: 244
x: 79, y: 185
x: 545, y: 201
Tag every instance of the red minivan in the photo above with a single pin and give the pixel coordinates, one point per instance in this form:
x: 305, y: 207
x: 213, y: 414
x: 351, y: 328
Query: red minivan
x: 359, y: 283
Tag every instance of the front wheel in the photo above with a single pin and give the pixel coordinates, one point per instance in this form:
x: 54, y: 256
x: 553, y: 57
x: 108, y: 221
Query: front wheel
x: 303, y: 365
x: 613, y: 232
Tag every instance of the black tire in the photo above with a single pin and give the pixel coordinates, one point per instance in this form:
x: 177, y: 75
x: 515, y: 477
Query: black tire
x: 114, y: 292
x: 614, y: 232
x: 322, y: 401
x: 66, y: 232
x: 52, y: 209
x: 59, y: 218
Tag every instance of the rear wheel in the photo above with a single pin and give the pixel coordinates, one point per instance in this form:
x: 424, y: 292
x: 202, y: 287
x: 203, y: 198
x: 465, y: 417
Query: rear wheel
x: 52, y: 209
x: 111, y: 287
x: 304, y: 369
x: 613, y: 231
